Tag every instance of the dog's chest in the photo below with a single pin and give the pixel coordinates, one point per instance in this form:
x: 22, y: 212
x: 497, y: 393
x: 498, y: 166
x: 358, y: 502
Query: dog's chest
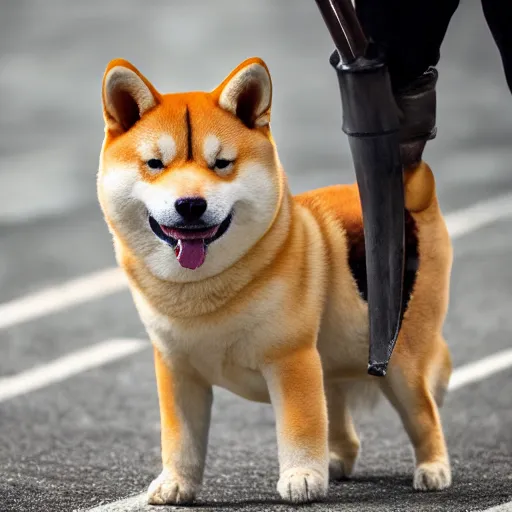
x: 227, y: 348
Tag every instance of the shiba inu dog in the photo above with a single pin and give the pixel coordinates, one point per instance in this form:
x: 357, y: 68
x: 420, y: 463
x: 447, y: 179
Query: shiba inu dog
x: 242, y: 285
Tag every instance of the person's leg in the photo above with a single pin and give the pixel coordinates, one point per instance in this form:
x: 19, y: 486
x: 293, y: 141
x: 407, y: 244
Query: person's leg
x: 499, y: 18
x: 410, y: 35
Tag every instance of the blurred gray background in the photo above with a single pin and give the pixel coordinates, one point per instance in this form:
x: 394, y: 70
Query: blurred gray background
x: 95, y: 438
x: 53, y: 53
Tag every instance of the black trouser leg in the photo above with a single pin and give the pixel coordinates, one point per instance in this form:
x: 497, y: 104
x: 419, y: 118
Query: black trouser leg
x: 410, y: 34
x: 409, y: 31
x: 498, y: 14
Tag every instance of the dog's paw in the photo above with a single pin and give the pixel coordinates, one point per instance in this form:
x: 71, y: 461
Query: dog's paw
x: 166, y: 489
x: 301, y: 485
x: 340, y: 469
x: 432, y: 476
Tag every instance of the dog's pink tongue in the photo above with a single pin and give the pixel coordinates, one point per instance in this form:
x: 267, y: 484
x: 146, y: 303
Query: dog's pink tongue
x: 191, y: 253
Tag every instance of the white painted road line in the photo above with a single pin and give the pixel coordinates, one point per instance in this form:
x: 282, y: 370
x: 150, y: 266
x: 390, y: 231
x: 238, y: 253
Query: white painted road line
x: 47, y: 301
x: 111, y: 280
x: 479, y: 215
x: 505, y: 507
x: 479, y: 370
x: 68, y: 366
x: 111, y: 350
x: 138, y: 502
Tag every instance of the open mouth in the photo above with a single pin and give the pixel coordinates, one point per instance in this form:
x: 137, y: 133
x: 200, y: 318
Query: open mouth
x: 190, y: 243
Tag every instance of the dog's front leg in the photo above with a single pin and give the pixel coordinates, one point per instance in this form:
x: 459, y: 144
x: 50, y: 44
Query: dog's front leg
x: 185, y: 405
x: 296, y: 389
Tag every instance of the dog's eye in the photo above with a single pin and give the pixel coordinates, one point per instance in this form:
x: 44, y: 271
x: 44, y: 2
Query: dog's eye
x: 155, y: 164
x: 222, y: 163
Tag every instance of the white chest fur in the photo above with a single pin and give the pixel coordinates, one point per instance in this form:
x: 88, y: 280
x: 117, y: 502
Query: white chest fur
x: 226, y: 350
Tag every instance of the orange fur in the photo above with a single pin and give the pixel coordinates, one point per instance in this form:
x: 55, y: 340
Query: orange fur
x: 303, y: 416
x: 275, y: 312
x: 171, y: 428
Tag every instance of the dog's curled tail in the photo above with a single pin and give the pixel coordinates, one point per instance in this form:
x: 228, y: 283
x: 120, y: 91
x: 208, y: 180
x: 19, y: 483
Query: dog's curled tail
x: 419, y: 188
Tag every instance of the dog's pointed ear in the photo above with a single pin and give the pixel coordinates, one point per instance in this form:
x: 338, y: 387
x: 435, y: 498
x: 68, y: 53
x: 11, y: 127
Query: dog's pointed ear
x: 247, y: 93
x: 127, y: 96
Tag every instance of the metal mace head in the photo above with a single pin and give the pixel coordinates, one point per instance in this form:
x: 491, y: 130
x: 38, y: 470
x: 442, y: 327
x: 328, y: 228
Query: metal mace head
x: 370, y: 119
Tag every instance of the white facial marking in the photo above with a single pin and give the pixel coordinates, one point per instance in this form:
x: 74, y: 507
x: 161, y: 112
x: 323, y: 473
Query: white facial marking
x: 118, y: 184
x: 128, y: 199
x: 211, y: 148
x: 228, y: 153
x: 167, y: 147
x: 146, y: 150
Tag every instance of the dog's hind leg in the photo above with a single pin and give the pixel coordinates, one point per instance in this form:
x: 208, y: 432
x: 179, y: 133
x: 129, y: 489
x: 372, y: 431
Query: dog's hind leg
x: 411, y: 394
x: 440, y: 378
x: 343, y: 440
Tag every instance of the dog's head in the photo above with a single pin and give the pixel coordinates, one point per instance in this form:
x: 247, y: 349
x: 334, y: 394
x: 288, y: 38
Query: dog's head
x: 189, y: 182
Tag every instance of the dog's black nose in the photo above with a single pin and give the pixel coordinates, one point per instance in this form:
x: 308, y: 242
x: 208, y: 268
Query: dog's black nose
x: 191, y: 208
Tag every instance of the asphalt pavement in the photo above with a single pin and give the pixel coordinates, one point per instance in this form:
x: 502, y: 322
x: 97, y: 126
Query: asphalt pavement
x: 93, y: 439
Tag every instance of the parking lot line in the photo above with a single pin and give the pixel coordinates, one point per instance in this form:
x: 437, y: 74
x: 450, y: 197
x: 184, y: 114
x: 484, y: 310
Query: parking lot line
x: 68, y: 366
x: 103, y: 353
x: 479, y: 215
x: 106, y: 282
x: 133, y: 503
x: 479, y: 370
x: 63, y: 296
x: 504, y: 507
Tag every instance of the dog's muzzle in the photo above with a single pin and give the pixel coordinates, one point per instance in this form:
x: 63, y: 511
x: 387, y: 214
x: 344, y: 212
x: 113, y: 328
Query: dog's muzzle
x: 190, y: 241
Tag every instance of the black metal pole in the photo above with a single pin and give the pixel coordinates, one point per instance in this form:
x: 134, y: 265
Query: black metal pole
x: 370, y: 119
x: 343, y: 25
